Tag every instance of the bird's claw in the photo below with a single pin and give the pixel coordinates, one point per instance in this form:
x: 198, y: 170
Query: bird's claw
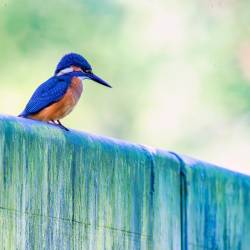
x: 58, y: 124
x: 61, y: 126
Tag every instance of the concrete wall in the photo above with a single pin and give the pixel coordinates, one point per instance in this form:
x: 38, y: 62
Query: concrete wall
x: 218, y: 207
x: 71, y: 190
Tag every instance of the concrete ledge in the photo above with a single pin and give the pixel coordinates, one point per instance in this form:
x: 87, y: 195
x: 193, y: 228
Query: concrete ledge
x: 217, y: 207
x: 73, y: 190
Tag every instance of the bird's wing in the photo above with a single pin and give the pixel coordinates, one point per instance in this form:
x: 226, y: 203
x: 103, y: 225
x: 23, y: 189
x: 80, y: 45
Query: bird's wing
x: 47, y: 93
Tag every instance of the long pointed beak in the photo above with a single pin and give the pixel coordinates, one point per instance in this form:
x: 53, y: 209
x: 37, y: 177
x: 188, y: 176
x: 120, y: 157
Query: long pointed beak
x: 98, y: 79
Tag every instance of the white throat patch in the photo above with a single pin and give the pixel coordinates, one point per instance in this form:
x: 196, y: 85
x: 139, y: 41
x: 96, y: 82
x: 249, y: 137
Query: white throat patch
x: 83, y: 77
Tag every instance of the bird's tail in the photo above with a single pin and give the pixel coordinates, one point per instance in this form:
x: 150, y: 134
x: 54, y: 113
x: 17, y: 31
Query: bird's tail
x: 22, y: 115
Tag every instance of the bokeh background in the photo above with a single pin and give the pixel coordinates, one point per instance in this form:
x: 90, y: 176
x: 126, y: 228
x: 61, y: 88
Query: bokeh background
x: 180, y: 70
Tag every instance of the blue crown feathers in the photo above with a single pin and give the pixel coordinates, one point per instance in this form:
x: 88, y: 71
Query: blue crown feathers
x: 70, y: 60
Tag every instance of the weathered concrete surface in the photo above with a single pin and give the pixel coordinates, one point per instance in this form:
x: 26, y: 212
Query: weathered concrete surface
x: 68, y: 190
x: 71, y: 190
x: 217, y: 207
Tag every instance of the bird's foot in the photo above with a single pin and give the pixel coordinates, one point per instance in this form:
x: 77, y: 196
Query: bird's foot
x: 58, y: 124
x: 61, y: 126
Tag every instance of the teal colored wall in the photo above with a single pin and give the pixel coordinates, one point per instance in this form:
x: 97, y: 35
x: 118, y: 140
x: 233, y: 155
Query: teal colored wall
x: 72, y: 190
x: 217, y: 207
x: 68, y: 190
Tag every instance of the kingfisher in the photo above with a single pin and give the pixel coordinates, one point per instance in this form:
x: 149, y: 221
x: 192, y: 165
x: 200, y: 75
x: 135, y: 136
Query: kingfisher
x: 57, y: 97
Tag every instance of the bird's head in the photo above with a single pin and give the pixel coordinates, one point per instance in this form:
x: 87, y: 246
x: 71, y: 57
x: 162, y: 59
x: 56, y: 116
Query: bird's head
x: 72, y: 61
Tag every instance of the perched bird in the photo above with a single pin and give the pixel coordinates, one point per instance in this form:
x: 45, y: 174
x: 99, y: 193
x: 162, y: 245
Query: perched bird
x: 56, y: 98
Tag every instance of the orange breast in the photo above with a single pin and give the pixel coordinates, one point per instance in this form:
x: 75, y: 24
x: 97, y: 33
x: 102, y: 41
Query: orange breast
x: 63, y: 107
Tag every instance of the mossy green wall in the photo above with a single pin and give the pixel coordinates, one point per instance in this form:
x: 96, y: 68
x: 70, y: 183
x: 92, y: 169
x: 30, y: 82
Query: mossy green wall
x: 72, y: 190
x: 217, y: 207
x: 68, y: 190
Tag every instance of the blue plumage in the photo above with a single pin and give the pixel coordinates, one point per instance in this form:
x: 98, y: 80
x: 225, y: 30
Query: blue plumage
x: 49, y: 92
x: 73, y: 59
x: 56, y: 87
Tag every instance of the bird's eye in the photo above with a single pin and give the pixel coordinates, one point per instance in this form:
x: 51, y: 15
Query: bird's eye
x: 88, y: 71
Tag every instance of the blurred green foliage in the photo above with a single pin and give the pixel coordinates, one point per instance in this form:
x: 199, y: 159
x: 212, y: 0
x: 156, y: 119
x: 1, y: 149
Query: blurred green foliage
x: 180, y: 71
